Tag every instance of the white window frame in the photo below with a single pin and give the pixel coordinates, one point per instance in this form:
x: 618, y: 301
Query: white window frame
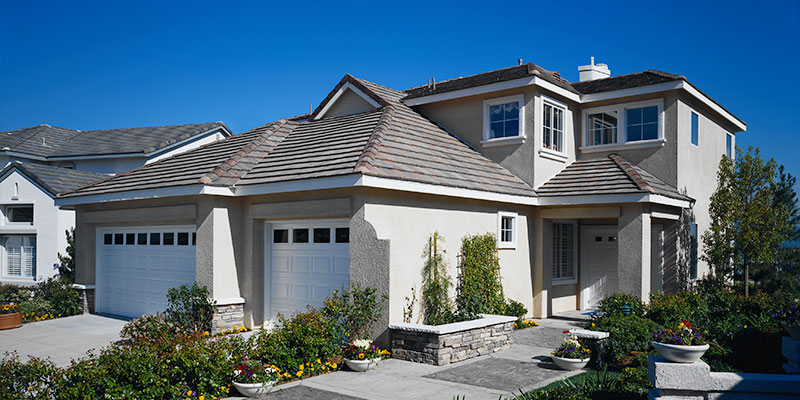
x: 574, y: 278
x: 512, y: 244
x: 544, y: 151
x: 487, y: 141
x: 622, y: 134
x: 4, y: 259
x: 21, y: 205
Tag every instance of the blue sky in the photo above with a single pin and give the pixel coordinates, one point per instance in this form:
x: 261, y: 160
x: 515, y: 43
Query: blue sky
x: 92, y: 65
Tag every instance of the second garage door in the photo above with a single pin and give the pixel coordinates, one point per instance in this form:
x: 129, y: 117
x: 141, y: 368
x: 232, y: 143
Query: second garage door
x: 136, y: 267
x: 309, y: 260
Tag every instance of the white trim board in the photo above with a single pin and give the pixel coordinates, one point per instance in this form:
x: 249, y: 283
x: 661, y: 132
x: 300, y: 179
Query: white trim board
x: 339, y: 92
x: 494, y: 87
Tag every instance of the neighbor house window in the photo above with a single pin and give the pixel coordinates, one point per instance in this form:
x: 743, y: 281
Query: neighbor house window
x: 729, y: 145
x: 20, y: 256
x: 694, y: 129
x: 623, y: 123
x: 641, y: 123
x: 693, y: 250
x: 506, y: 230
x: 564, y: 251
x: 503, y: 118
x: 553, y: 126
x: 19, y: 214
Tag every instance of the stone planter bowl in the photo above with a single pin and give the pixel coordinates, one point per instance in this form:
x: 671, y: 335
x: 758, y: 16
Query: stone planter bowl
x: 680, y: 354
x: 10, y: 321
x: 792, y: 330
x: 254, y: 389
x: 362, y: 365
x: 570, y: 364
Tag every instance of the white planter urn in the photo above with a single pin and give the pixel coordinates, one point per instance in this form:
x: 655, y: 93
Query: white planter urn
x: 362, y: 365
x: 570, y: 364
x: 679, y: 353
x: 254, y: 389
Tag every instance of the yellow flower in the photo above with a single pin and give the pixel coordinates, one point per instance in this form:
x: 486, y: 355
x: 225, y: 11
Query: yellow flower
x: 361, y: 356
x: 334, y: 365
x: 302, y: 366
x: 201, y: 398
x: 745, y: 326
x: 189, y: 393
x: 299, y: 373
x: 318, y: 361
x: 592, y: 323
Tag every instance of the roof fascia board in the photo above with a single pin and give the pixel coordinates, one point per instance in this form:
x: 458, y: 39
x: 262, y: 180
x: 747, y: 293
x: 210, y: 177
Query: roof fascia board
x: 299, y: 185
x: 612, y: 198
x: 713, y: 105
x: 188, y: 140
x: 186, y: 190
x: 555, y: 89
x: 417, y: 187
x: 96, y: 156
x: 347, y: 85
x: 492, y: 87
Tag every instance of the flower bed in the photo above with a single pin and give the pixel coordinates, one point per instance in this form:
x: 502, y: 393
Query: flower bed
x: 450, y: 343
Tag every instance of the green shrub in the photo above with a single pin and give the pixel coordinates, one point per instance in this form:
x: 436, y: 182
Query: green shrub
x: 11, y: 293
x: 149, y: 327
x: 353, y: 312
x: 632, y: 333
x: 190, y: 307
x: 613, y: 305
x: 669, y: 309
x: 63, y: 298
x: 480, y: 290
x: 36, y: 306
x: 436, y: 283
x: 27, y: 380
x: 514, y: 309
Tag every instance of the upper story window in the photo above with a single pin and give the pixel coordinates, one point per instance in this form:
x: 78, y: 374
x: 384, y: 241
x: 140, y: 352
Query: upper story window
x: 624, y: 123
x: 729, y: 145
x: 507, y: 230
x: 553, y: 125
x: 19, y: 214
x: 503, y: 118
x: 695, y: 129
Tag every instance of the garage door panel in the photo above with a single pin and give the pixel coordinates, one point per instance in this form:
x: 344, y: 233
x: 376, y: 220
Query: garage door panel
x: 322, y: 265
x: 136, y: 277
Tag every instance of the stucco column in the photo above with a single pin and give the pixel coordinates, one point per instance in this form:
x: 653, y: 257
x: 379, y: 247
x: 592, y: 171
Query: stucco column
x: 216, y: 257
x: 541, y: 282
x: 633, y: 251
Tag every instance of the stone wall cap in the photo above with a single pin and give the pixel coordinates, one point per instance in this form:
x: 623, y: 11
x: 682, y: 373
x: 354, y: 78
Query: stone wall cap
x: 698, y: 377
x: 482, y: 322
x: 229, y: 301
x: 83, y: 286
x: 587, y: 334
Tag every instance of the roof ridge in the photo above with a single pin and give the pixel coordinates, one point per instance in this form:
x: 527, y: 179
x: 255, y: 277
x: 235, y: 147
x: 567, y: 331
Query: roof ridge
x: 252, y: 145
x: 631, y: 172
x: 526, y: 65
x: 375, y: 141
x: 152, y: 127
x: 44, y: 127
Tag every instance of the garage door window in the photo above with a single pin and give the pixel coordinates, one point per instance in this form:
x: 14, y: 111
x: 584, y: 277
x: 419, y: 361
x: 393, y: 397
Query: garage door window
x: 280, y: 236
x: 183, y: 238
x: 169, y: 239
x: 155, y: 238
x: 322, y: 235
x: 300, y: 235
x: 342, y: 235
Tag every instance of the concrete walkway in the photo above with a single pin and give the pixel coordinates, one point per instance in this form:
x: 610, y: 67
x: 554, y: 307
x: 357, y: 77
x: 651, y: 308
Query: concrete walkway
x: 523, y: 367
x: 61, y: 339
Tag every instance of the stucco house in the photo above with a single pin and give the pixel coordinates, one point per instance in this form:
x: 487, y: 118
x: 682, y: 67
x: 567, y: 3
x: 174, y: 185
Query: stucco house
x: 592, y: 187
x: 42, y: 161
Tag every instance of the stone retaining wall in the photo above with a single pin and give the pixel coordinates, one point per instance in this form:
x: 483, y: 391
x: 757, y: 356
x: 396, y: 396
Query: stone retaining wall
x: 227, y: 316
x: 450, y: 343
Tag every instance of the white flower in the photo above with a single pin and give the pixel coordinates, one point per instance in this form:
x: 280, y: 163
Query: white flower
x: 362, y: 343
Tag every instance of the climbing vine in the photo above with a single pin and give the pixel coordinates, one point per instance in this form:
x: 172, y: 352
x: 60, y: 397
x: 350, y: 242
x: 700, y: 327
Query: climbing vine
x: 479, y: 288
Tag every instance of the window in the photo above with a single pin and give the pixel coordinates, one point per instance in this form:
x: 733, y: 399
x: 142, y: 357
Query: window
x: 141, y: 239
x: 694, y: 129
x: 506, y: 230
x: 20, y: 256
x: 728, y: 145
x: 503, y: 118
x: 20, y: 214
x: 625, y: 124
x: 641, y: 123
x: 119, y: 238
x: 322, y: 235
x: 155, y: 238
x: 564, y: 251
x: 602, y: 128
x: 169, y: 239
x: 108, y: 239
x: 553, y: 126
x: 130, y: 238
x: 183, y: 238
x: 342, y: 235
x: 280, y: 236
x: 693, y: 250
x: 300, y: 235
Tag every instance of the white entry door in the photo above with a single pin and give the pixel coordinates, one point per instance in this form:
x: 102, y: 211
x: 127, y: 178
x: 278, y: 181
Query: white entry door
x: 598, y: 264
x: 136, y: 267
x: 308, y: 261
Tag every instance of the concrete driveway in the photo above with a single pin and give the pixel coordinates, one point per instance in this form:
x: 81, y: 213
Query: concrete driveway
x: 61, y: 339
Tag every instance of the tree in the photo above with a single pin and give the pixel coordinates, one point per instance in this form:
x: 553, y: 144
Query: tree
x: 748, y: 224
x: 66, y: 267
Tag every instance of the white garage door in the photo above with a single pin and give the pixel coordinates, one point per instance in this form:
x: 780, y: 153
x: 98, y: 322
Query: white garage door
x: 309, y: 261
x: 136, y: 267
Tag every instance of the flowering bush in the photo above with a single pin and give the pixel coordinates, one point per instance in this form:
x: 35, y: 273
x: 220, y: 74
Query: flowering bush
x: 8, y: 309
x: 253, y: 371
x: 524, y: 323
x: 571, y: 347
x: 364, y: 349
x: 683, y: 335
x: 790, y: 315
x: 230, y: 331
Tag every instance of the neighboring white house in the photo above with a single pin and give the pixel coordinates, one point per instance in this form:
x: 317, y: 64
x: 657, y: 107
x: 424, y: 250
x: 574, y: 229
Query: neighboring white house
x: 44, y: 161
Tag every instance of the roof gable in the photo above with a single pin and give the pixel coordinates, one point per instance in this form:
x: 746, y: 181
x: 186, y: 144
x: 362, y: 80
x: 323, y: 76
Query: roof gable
x: 347, y: 84
x: 54, y: 180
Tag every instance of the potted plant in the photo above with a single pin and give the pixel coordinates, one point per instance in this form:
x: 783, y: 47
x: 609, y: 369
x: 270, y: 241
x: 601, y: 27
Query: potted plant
x: 684, y: 344
x: 362, y: 355
x: 789, y: 318
x: 252, y: 378
x: 10, y: 317
x: 572, y: 354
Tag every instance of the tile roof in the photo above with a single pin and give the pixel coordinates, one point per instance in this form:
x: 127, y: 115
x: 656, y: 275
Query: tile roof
x: 486, y: 78
x: 55, y: 179
x: 51, y: 141
x: 391, y: 142
x: 610, y: 175
x: 649, y: 77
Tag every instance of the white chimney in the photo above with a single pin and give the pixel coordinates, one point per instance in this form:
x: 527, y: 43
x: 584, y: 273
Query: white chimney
x: 593, y: 71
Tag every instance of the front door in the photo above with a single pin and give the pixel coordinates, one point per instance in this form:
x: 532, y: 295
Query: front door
x: 598, y: 264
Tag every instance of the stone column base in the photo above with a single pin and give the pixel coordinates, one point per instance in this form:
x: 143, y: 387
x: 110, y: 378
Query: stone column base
x: 230, y: 313
x: 87, y: 297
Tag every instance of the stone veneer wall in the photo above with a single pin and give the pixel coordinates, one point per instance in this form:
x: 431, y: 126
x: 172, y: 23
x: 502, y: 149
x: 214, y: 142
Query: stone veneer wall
x: 87, y: 298
x: 446, y: 344
x: 227, y: 316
